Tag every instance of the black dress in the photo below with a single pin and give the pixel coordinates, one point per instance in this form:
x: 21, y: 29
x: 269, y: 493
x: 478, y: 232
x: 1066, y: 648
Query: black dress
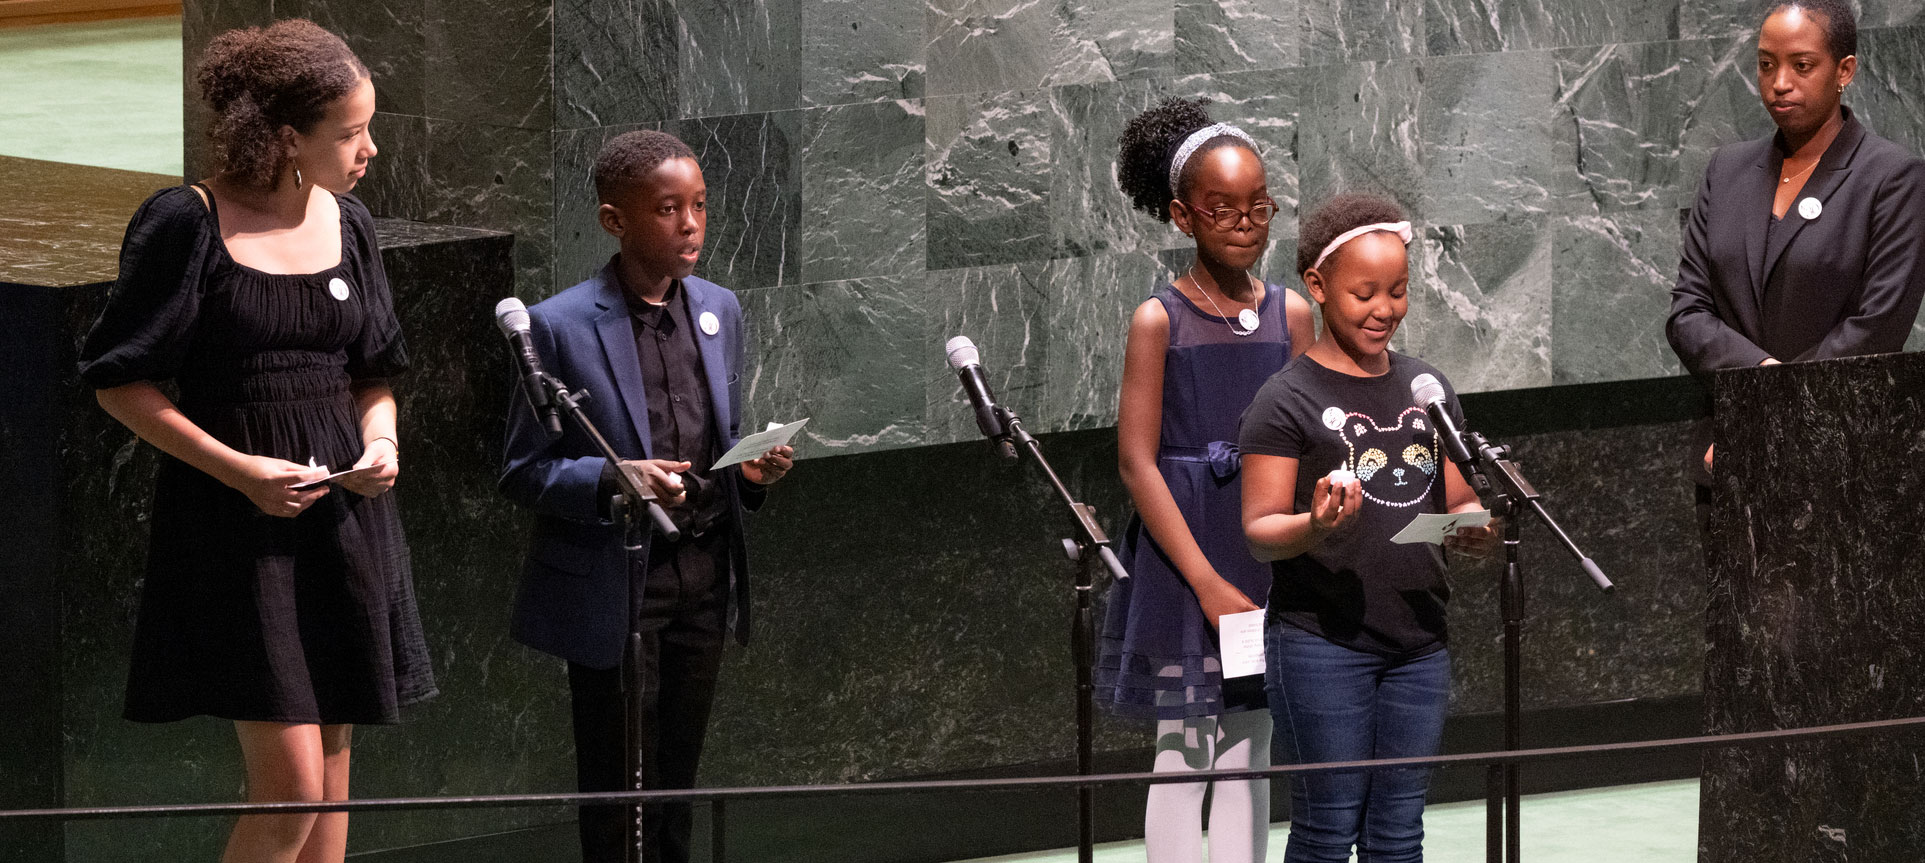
x: 243, y: 615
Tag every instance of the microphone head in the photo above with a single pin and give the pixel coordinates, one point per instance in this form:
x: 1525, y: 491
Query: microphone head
x: 511, y: 316
x: 962, y: 352
x: 1426, y: 389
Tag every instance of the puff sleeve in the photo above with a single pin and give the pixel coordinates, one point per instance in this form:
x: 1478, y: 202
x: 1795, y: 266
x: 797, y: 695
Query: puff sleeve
x: 379, y: 351
x: 147, y: 325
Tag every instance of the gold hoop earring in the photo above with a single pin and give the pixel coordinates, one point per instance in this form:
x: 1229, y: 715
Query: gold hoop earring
x: 297, y: 176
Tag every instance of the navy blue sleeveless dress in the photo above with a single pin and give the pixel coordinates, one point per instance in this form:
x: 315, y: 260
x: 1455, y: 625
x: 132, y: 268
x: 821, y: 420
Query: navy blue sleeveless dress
x: 242, y: 615
x: 1159, y: 655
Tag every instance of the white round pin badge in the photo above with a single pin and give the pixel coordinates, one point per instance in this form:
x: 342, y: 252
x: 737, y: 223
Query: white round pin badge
x: 1248, y: 319
x: 709, y: 323
x: 1810, y: 208
x: 338, y: 288
x: 1333, y: 417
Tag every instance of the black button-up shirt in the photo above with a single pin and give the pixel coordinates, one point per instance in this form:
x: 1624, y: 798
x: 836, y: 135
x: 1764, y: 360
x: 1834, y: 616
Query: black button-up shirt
x: 681, y: 423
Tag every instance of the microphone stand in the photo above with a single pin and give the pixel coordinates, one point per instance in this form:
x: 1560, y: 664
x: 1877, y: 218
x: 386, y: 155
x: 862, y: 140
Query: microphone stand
x: 1087, y: 549
x: 634, y: 506
x: 1509, y: 498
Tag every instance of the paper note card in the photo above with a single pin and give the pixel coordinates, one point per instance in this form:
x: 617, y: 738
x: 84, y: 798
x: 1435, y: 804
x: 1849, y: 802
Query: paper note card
x: 753, y: 446
x: 1434, y: 527
x: 1241, y: 636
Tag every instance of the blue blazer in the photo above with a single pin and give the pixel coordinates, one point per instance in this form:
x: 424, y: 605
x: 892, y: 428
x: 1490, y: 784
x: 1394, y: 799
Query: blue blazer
x: 573, y: 598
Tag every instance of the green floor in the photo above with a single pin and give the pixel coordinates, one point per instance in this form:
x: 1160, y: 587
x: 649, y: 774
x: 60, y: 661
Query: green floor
x: 1651, y: 823
x: 105, y: 94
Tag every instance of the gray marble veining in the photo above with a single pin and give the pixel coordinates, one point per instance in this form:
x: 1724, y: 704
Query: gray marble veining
x: 739, y: 57
x: 862, y: 191
x: 1611, y: 279
x: 988, y: 164
x: 861, y: 51
x: 1480, y: 304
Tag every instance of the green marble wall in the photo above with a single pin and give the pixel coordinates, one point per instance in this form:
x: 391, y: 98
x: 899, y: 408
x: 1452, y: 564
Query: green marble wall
x: 888, y: 174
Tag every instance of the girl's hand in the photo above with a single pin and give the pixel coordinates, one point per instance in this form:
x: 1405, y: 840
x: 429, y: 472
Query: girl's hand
x: 265, y: 481
x: 1332, y: 508
x: 374, y: 482
x: 1223, y: 598
x: 773, y: 465
x: 1478, y: 542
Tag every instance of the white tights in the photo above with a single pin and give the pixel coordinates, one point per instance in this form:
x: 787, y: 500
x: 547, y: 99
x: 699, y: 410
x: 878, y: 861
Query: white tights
x: 1239, y: 810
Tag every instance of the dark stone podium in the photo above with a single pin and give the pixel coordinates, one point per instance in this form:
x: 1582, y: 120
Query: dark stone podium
x: 1816, y: 611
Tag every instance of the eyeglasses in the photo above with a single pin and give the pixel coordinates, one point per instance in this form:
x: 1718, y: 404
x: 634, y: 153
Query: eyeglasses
x: 1226, y: 218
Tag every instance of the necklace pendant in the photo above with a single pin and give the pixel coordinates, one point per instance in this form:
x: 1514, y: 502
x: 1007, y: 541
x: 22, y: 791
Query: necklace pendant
x: 1249, y: 321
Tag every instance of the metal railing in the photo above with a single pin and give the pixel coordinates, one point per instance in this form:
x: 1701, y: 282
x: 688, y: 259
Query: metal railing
x: 719, y: 797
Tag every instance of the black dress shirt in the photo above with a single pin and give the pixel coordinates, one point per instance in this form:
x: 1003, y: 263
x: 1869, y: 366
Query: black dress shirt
x: 681, y: 423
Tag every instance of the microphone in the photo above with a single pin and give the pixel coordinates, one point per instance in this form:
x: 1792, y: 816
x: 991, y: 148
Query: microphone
x: 1429, y: 394
x: 512, y: 317
x: 989, y: 416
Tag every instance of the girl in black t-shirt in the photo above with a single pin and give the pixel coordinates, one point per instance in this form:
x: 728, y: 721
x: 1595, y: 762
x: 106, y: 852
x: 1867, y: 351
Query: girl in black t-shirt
x: 1336, y: 459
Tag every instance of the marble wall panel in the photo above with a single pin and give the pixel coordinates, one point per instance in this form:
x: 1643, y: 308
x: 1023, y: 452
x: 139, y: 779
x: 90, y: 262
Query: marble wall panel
x: 1634, y: 125
x: 753, y: 166
x: 615, y: 62
x: 1089, y: 319
x: 491, y: 63
x: 988, y: 45
x: 1235, y: 35
x: 988, y: 163
x: 390, y: 37
x: 1005, y: 311
x: 862, y: 191
x: 1484, y: 126
x: 1886, y: 93
x: 861, y: 51
x: 1611, y: 280
x: 1621, y: 495
x: 1359, y: 133
x: 737, y: 58
x: 1482, y: 26
x: 852, y: 357
x: 1088, y: 213
x: 486, y: 176
x: 1480, y: 304
x: 1349, y: 31
x: 467, y: 174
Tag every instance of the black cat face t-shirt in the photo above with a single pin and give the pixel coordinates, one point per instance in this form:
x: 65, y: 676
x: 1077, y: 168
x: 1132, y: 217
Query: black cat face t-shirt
x: 1357, y: 588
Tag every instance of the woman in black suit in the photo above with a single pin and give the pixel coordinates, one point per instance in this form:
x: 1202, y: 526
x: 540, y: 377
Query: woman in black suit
x: 1809, y: 243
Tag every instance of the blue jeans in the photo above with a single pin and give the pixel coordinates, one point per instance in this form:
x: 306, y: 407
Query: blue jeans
x: 1332, y: 703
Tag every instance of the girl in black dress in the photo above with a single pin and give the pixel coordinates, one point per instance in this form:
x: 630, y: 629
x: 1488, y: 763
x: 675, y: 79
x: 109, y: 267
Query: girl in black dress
x: 285, y: 607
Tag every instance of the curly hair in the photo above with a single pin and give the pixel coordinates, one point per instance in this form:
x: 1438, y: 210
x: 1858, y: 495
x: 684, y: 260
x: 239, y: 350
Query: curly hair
x: 260, y: 79
x: 1146, y: 145
x: 1337, y: 215
x: 632, y: 155
x: 1841, y: 25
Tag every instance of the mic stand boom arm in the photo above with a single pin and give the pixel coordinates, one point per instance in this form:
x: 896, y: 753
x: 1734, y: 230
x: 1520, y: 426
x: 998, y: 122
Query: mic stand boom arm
x: 1089, y: 548
x: 631, y: 506
x: 1508, y: 494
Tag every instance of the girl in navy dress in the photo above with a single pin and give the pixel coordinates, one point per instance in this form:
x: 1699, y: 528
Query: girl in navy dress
x: 1336, y: 459
x: 1198, y: 350
x: 285, y: 608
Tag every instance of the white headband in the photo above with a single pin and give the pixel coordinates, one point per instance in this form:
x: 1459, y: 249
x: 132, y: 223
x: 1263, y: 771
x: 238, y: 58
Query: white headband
x: 1401, y: 229
x: 1197, y: 139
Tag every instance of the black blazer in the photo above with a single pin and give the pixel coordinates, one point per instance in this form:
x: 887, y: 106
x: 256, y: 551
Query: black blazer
x: 1846, y: 283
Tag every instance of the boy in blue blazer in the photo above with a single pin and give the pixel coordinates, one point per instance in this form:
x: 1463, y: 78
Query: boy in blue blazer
x: 661, y: 353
